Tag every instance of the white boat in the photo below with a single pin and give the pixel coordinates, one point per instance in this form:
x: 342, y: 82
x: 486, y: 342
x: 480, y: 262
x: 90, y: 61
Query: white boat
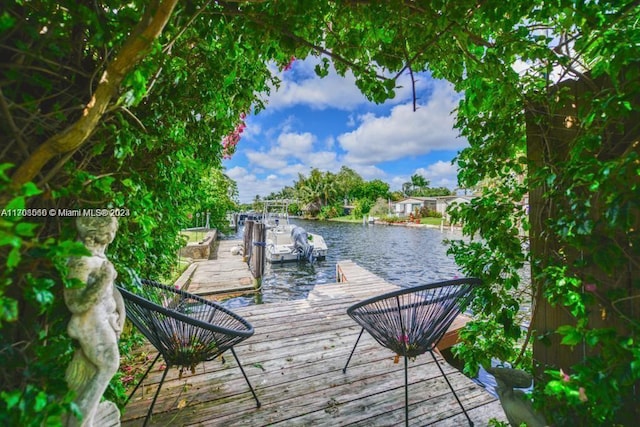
x: 288, y: 242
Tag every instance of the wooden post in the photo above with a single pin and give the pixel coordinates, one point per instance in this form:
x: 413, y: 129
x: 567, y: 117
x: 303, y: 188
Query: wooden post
x: 248, y: 240
x: 546, y: 144
x: 259, y: 249
x: 551, y: 133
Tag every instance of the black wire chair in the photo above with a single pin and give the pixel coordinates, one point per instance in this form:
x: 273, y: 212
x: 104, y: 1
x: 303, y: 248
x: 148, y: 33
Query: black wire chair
x: 412, y: 321
x: 185, y: 329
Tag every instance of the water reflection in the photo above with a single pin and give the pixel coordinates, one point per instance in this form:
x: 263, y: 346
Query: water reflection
x: 405, y: 256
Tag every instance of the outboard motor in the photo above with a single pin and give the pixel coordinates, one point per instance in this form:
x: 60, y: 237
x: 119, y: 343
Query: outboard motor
x: 301, y: 243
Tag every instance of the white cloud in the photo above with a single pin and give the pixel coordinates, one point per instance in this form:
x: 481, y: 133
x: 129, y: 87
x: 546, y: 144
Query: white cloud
x: 351, y: 122
x: 252, y: 132
x: 323, y: 160
x: 290, y: 149
x: 440, y: 174
x: 301, y: 86
x: 293, y: 170
x: 405, y: 132
x: 265, y: 160
x: 330, y: 142
x: 250, y: 185
x: 368, y: 172
x: 294, y: 144
x: 397, y: 181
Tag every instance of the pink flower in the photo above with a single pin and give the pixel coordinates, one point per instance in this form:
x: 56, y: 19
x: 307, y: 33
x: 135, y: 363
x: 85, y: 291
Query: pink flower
x: 404, y: 339
x: 590, y: 287
x: 288, y: 66
x: 230, y: 141
x: 566, y: 378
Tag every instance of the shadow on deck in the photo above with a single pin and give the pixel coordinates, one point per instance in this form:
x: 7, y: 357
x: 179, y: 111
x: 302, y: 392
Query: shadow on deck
x: 295, y: 361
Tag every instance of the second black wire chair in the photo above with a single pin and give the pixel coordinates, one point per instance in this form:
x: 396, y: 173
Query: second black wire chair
x: 185, y: 329
x: 412, y: 321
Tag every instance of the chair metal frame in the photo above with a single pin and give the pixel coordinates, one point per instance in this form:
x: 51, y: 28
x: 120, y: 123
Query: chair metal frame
x: 186, y: 329
x: 411, y: 321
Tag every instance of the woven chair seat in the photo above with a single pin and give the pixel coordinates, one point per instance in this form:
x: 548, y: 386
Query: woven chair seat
x: 411, y: 321
x: 186, y: 329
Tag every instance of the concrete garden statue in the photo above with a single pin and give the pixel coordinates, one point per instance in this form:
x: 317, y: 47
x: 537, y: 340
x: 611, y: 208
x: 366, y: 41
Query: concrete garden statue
x: 97, y: 319
x: 517, y: 406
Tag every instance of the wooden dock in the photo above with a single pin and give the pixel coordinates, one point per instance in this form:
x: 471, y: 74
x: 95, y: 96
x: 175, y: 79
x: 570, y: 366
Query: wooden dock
x: 224, y: 273
x: 295, y: 361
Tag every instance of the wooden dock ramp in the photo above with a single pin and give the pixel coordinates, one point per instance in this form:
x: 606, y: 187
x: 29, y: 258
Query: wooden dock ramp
x: 224, y: 273
x: 295, y: 362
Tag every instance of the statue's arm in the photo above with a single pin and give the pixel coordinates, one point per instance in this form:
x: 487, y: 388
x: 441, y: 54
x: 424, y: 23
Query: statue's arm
x: 120, y: 310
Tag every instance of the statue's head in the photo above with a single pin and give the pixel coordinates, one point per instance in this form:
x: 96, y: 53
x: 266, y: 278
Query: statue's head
x: 97, y: 230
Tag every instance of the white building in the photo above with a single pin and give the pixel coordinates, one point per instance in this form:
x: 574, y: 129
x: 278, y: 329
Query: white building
x: 438, y: 204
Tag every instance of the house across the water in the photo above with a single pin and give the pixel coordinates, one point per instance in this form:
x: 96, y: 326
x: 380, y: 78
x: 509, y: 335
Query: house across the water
x: 439, y: 204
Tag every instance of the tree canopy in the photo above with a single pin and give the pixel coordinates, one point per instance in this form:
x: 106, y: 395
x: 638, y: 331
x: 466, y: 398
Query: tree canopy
x: 112, y: 105
x: 324, y: 194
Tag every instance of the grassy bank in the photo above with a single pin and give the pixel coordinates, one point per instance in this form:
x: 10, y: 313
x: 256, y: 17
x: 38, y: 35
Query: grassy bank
x: 349, y: 218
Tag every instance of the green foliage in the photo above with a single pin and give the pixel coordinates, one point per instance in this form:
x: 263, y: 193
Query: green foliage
x: 361, y: 208
x: 419, y: 187
x: 594, y: 220
x: 294, y: 209
x: 328, y: 212
x: 381, y: 207
x: 32, y: 320
x: 425, y: 212
x: 324, y: 193
x: 156, y: 153
x: 393, y: 219
x: 432, y: 192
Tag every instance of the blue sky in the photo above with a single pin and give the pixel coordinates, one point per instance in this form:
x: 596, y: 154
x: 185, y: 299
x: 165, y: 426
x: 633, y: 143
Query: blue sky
x: 326, y: 123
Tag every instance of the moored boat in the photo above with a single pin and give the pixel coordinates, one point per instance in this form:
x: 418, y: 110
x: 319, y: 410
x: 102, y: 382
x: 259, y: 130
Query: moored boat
x: 288, y: 242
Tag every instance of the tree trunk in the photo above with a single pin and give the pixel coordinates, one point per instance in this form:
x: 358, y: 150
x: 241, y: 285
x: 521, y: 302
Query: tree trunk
x: 133, y: 50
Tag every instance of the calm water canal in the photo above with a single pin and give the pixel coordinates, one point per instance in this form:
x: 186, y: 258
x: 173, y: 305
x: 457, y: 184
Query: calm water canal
x: 404, y: 256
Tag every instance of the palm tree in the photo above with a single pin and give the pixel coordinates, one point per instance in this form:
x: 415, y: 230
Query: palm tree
x: 329, y: 188
x: 419, y: 182
x: 406, y: 189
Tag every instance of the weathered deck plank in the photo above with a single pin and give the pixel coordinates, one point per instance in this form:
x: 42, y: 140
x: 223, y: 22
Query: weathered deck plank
x: 295, y: 362
x: 227, y: 274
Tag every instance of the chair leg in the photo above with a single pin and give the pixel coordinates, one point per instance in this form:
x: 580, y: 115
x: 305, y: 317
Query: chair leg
x: 344, y: 370
x: 164, y: 375
x: 245, y: 377
x: 142, y: 379
x: 406, y: 392
x: 451, y: 387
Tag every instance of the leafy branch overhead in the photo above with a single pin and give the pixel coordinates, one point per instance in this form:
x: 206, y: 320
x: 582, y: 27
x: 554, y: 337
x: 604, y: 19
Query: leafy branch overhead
x: 137, y: 45
x: 111, y: 104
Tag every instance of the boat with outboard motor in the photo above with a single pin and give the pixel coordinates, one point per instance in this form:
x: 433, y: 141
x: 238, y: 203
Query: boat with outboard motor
x: 288, y: 242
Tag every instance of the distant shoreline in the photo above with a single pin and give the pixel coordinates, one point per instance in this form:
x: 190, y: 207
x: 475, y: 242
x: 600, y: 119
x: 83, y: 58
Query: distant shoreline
x: 393, y: 224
